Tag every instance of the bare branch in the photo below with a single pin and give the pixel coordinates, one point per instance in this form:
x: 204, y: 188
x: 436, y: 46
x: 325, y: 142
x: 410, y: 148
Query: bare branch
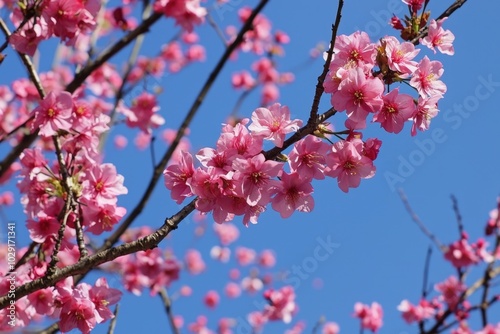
x: 424, y: 31
x: 417, y: 221
x: 87, y: 264
x: 458, y: 215
x: 319, y: 85
x: 112, y: 324
x: 168, y: 308
x: 181, y: 131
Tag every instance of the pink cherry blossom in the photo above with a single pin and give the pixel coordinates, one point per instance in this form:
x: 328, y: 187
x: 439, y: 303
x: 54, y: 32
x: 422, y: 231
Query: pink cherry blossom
x: 100, y: 217
x: 78, y: 313
x: 102, y: 183
x: 426, y: 78
x: 220, y: 253
x: 397, y: 109
x: 42, y: 301
x: 243, y: 80
x: 254, y: 178
x: 451, y: 290
x: 282, y: 304
x: 358, y: 95
x: 245, y: 256
x: 187, y: 13
x: 355, y: 48
x: 308, y: 158
x: 416, y: 313
x: 273, y: 123
x: 53, y: 114
x: 194, y: 262
x: 227, y: 233
x: 103, y: 297
x: 461, y: 254
x: 232, y: 290
x: 400, y: 55
x: 490, y: 329
x: 330, y: 328
x: 438, y: 38
x: 26, y: 40
x: 252, y: 284
x: 239, y: 138
x: 143, y: 113
x: 177, y: 175
x: 415, y: 5
x: 294, y: 194
x: 211, y: 299
x: 370, y: 316
x: 267, y: 258
x: 426, y: 111
x: 348, y: 165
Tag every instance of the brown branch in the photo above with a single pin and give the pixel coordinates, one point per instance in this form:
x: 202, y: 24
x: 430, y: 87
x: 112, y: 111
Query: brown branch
x: 487, y: 283
x: 450, y: 10
x: 79, y: 78
x: 28, y: 255
x: 319, y: 85
x: 87, y: 264
x: 168, y: 308
x: 456, y: 209
x: 87, y: 70
x: 130, y: 65
x: 109, y: 242
x: 112, y: 324
x: 32, y: 73
x: 309, y: 128
x: 494, y: 272
x: 35, y: 79
x: 180, y: 133
x: 425, y: 282
x: 419, y: 223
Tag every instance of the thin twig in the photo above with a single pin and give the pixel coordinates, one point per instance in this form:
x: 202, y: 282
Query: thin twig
x: 419, y: 223
x: 29, y: 254
x: 425, y: 282
x: 424, y: 31
x: 426, y: 272
x: 132, y: 60
x: 168, y: 308
x: 318, y: 324
x: 321, y: 79
x: 217, y: 29
x: 181, y: 131
x: 494, y: 272
x: 458, y: 215
x: 112, y: 324
x: 110, y: 241
x: 111, y: 51
x: 80, y: 238
x: 77, y: 81
x: 90, y: 262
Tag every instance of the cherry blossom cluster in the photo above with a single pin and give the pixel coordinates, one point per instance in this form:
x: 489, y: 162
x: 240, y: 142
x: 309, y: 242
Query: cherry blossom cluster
x: 79, y: 306
x: 235, y: 179
x: 360, y: 69
x: 261, y: 41
x: 40, y: 20
x: 452, y: 293
x: 151, y: 269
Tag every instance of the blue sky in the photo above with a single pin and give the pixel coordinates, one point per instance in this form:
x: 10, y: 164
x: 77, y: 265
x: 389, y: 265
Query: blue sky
x: 379, y: 253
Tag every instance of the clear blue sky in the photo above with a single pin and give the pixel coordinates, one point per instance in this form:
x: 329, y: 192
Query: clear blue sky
x: 380, y: 254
